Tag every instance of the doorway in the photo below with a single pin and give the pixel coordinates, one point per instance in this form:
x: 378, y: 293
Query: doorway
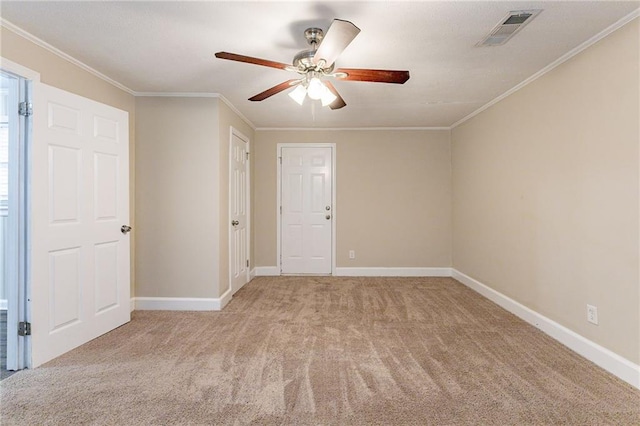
x: 15, y: 126
x: 306, y: 208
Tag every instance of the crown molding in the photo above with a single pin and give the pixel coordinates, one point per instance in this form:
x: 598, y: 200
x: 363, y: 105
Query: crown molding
x: 35, y: 40
x: 564, y: 58
x: 237, y: 111
x: 342, y: 129
x: 176, y: 94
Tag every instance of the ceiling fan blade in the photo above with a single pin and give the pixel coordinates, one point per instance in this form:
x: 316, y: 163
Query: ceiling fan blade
x: 252, y: 60
x: 339, y: 35
x: 375, y: 76
x: 274, y: 90
x: 339, y: 102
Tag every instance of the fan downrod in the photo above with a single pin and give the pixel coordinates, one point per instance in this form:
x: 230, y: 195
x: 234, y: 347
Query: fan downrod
x: 314, y: 36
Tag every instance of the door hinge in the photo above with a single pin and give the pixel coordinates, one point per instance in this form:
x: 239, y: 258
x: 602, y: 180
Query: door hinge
x: 24, y: 329
x: 247, y: 155
x: 280, y: 160
x: 247, y: 263
x: 280, y: 209
x: 25, y: 109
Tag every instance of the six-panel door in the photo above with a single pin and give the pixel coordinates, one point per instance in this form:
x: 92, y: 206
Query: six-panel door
x: 306, y: 220
x: 238, y: 247
x: 80, y: 283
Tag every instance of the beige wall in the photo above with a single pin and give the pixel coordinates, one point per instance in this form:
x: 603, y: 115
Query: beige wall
x: 546, y: 194
x: 64, y: 75
x: 227, y: 119
x: 177, y: 165
x: 393, y: 196
x: 182, y: 195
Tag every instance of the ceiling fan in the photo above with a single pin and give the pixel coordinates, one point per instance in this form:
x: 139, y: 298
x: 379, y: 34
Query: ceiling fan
x: 317, y: 64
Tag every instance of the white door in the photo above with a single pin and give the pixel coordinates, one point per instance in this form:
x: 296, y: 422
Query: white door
x: 238, y: 211
x: 307, y: 215
x: 80, y: 284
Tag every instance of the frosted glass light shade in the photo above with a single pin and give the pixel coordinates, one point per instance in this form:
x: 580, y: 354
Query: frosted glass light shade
x: 327, y: 96
x: 315, y: 88
x: 298, y: 94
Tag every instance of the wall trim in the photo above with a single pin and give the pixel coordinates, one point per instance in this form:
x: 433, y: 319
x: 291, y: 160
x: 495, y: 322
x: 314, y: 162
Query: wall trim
x: 266, y: 271
x: 236, y: 110
x: 35, y: 40
x: 599, y: 355
x: 4, y: 303
x: 393, y: 272
x: 177, y: 94
x: 340, y: 129
x: 132, y: 304
x: 562, y: 59
x: 15, y: 68
x: 181, y: 303
x: 223, y: 300
x: 271, y: 271
x: 252, y: 274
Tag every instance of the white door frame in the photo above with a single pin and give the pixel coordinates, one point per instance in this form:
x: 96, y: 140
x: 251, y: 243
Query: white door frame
x: 233, y: 131
x: 279, y: 199
x: 19, y: 295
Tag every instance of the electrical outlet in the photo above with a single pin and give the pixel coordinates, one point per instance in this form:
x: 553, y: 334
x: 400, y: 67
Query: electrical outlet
x: 352, y: 254
x: 592, y: 314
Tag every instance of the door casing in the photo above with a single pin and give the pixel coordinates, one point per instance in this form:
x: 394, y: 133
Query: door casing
x: 334, y: 209
x: 18, y: 288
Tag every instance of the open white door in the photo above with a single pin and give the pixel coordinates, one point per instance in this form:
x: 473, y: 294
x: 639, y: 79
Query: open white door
x: 238, y: 210
x: 79, y: 202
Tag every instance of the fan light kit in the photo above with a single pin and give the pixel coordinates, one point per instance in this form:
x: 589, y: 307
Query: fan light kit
x: 316, y: 65
x: 313, y: 87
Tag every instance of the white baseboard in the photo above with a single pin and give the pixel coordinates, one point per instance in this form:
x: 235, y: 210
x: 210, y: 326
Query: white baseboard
x: 252, y: 274
x: 132, y: 304
x: 393, y: 272
x: 601, y: 356
x: 267, y: 271
x: 222, y: 301
x: 4, y: 304
x: 181, y: 303
x: 270, y: 271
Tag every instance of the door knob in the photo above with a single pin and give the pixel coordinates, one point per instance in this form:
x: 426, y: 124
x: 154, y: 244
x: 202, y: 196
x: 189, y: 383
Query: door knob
x: 235, y: 222
x: 125, y: 229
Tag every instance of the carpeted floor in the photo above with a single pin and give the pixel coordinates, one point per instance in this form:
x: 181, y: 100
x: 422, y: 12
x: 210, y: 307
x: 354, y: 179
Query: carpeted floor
x: 311, y: 351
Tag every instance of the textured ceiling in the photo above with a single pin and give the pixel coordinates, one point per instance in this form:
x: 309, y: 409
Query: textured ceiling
x: 169, y: 47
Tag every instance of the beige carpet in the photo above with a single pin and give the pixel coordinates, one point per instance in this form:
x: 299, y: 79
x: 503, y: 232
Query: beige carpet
x: 290, y: 350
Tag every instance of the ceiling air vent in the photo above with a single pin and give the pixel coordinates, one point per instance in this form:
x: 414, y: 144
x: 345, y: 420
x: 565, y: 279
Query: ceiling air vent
x: 508, y: 27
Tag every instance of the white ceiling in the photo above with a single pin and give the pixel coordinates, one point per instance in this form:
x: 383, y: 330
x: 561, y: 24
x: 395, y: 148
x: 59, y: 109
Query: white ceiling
x: 169, y: 47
